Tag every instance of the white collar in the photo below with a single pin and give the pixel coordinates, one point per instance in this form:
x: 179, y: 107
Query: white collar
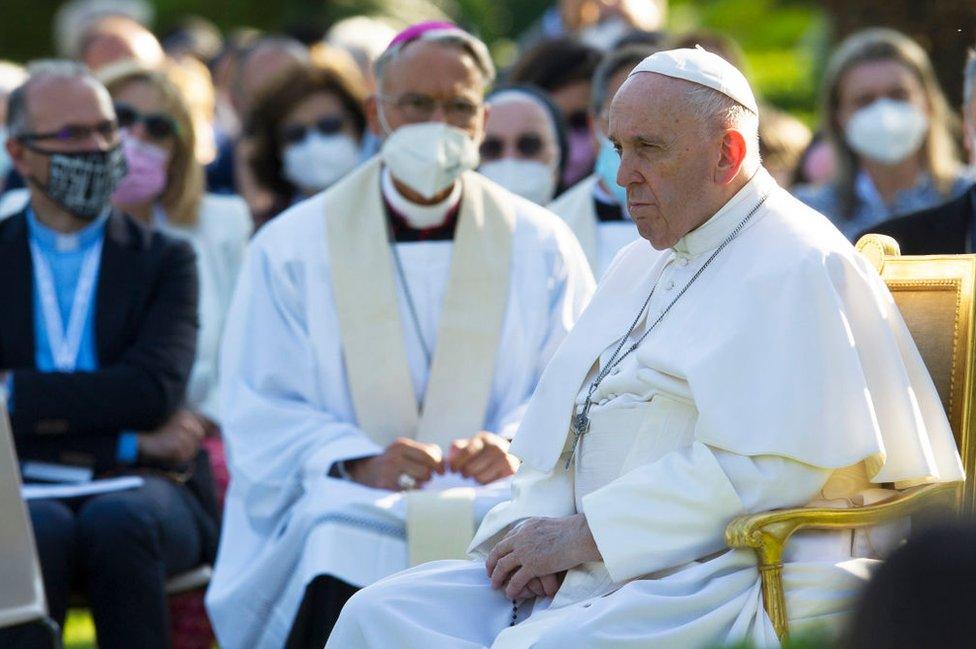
x: 419, y: 216
x: 714, y: 231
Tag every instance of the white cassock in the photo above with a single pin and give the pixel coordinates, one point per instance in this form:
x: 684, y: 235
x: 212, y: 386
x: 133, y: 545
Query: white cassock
x: 219, y: 237
x: 785, y: 376
x: 292, y: 383
x: 600, y: 240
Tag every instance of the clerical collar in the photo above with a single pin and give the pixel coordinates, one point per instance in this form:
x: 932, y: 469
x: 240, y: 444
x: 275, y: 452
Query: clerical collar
x: 419, y: 217
x: 606, y: 206
x: 58, y: 242
x: 714, y: 231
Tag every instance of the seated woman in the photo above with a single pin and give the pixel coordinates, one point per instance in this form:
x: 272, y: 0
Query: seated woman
x: 890, y: 128
x: 524, y: 149
x: 307, y: 133
x: 165, y: 187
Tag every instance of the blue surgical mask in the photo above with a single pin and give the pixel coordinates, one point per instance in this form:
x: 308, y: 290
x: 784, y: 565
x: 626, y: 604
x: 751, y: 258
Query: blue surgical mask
x: 5, y: 162
x: 607, y: 165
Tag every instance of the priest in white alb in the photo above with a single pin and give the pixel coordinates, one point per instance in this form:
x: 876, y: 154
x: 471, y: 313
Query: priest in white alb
x: 743, y: 358
x: 382, y: 345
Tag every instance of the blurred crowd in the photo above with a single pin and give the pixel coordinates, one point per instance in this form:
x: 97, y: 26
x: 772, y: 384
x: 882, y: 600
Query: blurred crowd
x: 273, y: 119
x: 221, y: 132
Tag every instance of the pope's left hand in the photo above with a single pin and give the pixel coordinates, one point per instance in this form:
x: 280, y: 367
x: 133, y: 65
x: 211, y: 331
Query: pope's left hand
x: 537, y: 548
x: 484, y: 457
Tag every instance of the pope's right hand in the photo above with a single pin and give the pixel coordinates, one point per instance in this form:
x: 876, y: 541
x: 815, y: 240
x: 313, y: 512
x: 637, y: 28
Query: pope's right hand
x: 418, y: 460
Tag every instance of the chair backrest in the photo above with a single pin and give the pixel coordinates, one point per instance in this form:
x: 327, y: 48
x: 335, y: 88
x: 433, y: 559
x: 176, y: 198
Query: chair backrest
x: 21, y: 586
x: 936, y: 295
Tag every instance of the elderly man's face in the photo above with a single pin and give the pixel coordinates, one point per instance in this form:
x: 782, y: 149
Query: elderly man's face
x: 116, y: 39
x: 667, y: 158
x: 265, y: 65
x: 66, y: 115
x: 431, y: 82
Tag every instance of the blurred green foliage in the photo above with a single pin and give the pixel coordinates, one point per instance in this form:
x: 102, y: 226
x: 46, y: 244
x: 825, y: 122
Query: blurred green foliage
x: 782, y: 38
x: 785, y: 43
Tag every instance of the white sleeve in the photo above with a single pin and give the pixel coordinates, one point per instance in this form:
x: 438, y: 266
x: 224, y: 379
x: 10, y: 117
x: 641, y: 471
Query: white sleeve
x: 275, y: 428
x: 534, y: 493
x: 675, y: 510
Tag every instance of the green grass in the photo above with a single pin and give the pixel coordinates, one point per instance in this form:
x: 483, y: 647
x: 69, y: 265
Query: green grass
x: 79, y: 631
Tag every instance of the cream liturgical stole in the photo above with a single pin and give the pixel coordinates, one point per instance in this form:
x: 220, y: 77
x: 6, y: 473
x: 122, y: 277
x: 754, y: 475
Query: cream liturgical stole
x: 439, y: 524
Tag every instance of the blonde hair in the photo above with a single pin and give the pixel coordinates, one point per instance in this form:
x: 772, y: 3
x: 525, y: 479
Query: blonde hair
x: 185, y: 178
x: 194, y: 82
x: 940, y: 156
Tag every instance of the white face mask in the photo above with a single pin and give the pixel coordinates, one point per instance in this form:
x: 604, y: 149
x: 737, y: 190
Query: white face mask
x: 887, y: 131
x: 319, y: 160
x: 429, y: 157
x: 528, y: 178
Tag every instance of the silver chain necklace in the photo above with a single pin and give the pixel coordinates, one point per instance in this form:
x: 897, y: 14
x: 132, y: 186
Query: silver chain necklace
x: 415, y: 319
x: 581, y: 420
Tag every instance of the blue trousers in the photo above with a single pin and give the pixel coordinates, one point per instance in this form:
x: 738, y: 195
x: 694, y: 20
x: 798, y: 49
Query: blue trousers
x: 117, y: 549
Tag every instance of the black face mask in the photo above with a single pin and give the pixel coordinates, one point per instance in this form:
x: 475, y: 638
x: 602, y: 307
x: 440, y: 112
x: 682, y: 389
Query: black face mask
x: 82, y: 182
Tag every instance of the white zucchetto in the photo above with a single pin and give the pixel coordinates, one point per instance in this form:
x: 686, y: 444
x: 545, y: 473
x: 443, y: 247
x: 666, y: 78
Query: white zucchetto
x: 704, y: 68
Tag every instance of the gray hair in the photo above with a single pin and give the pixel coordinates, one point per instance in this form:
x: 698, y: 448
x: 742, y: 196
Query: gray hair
x: 18, y: 114
x: 716, y: 110
x: 455, y: 37
x: 625, y: 57
x: 969, y: 78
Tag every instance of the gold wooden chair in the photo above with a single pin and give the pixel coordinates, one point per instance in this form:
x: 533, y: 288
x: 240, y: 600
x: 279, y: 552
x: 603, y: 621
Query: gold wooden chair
x: 935, y: 295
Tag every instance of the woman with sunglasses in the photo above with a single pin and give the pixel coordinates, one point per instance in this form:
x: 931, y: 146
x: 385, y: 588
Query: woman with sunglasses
x: 524, y: 149
x: 308, y: 132
x: 164, y: 187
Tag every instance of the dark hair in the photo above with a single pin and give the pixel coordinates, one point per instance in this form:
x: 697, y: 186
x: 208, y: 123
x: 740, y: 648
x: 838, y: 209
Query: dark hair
x: 922, y: 595
x: 276, y: 101
x: 555, y: 64
x: 555, y: 117
x: 629, y: 56
x: 656, y: 39
x: 716, y: 43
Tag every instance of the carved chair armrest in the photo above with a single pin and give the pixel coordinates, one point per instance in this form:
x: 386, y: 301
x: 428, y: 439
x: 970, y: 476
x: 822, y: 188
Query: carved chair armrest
x: 767, y: 533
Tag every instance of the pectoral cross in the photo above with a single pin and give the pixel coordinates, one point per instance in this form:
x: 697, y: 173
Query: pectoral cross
x: 580, y: 425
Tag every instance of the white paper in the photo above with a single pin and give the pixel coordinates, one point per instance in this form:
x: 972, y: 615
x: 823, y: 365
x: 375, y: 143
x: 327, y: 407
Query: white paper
x: 39, y: 491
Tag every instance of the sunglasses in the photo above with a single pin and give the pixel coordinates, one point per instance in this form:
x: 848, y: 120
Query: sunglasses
x: 578, y: 121
x: 528, y: 145
x: 325, y: 126
x: 109, y: 130
x: 158, y: 125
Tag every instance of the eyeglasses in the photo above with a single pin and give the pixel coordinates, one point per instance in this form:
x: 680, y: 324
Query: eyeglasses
x: 70, y: 133
x: 528, y: 145
x: 158, y: 125
x: 578, y: 120
x: 325, y: 126
x: 420, y: 108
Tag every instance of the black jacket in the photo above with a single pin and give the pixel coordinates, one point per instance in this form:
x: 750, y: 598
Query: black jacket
x: 941, y: 230
x: 145, y: 338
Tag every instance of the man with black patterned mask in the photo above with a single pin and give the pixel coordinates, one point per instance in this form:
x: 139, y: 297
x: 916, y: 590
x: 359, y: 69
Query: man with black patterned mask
x: 96, y: 343
x: 69, y: 151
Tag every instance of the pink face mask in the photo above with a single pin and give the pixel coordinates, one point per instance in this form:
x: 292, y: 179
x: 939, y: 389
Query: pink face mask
x: 146, y: 179
x: 581, y: 157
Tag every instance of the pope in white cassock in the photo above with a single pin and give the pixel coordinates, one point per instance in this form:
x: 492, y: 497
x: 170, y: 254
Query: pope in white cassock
x: 382, y: 345
x: 747, y: 359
